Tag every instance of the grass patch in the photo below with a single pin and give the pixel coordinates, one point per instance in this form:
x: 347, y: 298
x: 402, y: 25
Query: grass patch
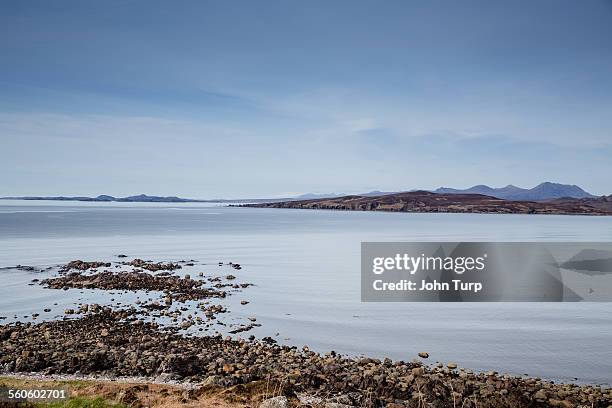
x: 81, y: 402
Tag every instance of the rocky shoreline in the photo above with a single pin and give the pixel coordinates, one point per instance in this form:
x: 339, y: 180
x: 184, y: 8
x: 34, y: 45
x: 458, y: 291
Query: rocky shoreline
x: 121, y: 343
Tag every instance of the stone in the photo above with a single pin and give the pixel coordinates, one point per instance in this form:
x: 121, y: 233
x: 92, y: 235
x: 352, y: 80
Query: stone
x: 306, y: 399
x: 276, y: 402
x: 540, y: 395
x: 417, y: 371
x: 167, y: 377
x: 211, y: 380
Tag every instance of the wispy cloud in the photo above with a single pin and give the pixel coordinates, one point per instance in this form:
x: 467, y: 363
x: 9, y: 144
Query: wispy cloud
x: 216, y: 100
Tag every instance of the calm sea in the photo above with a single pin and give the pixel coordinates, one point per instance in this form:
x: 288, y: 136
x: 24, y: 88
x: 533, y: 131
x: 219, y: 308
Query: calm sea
x: 305, y: 267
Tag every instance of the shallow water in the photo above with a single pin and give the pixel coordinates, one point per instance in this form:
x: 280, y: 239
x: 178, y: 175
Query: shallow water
x: 305, y: 267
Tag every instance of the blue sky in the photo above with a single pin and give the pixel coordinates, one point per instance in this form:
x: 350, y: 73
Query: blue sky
x: 251, y: 99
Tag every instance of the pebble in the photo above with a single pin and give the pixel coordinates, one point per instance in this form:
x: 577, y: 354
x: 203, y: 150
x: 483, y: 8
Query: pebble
x: 276, y: 402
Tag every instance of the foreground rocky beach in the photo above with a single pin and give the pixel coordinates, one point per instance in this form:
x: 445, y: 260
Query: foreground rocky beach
x: 154, y: 341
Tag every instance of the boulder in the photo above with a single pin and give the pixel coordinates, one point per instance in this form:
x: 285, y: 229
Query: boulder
x: 276, y: 402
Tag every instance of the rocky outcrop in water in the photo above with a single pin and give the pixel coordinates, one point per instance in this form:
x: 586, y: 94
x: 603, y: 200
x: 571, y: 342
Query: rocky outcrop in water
x: 179, y: 288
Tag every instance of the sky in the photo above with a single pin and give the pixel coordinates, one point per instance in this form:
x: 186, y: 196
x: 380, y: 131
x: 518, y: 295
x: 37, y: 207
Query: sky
x: 242, y: 99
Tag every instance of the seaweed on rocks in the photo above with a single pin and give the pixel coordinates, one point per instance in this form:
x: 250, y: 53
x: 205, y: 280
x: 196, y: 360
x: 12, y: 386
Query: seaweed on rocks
x: 181, y: 289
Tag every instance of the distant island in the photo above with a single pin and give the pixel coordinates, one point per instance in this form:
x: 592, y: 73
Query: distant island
x: 141, y: 198
x: 430, y: 202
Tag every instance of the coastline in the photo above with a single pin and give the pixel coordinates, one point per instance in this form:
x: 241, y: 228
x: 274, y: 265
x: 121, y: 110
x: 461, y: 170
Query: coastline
x: 428, y: 202
x: 124, y: 345
x: 117, y: 346
x: 415, y: 212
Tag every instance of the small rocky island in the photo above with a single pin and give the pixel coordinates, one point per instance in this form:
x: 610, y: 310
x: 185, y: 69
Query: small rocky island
x: 429, y: 202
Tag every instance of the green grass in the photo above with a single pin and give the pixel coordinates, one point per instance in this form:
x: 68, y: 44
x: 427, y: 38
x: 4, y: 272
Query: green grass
x: 80, y: 402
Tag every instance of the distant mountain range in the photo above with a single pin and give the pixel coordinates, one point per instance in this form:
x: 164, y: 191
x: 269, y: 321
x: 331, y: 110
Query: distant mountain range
x: 541, y: 192
x: 314, y: 196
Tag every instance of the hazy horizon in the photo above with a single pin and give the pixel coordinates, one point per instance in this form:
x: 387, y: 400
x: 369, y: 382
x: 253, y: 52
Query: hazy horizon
x: 272, y: 99
x: 287, y: 195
